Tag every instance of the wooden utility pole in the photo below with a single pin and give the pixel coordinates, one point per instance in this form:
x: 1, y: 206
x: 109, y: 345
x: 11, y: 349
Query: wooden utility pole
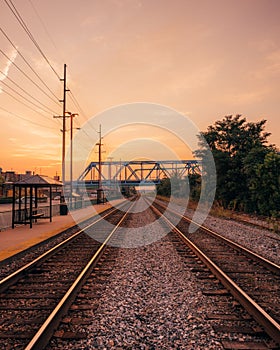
x: 63, y: 124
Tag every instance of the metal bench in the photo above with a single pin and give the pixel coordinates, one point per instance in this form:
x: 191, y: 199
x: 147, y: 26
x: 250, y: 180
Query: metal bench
x: 36, y: 215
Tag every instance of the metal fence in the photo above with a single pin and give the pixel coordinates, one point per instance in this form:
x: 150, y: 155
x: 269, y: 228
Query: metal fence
x: 5, y: 220
x: 6, y: 216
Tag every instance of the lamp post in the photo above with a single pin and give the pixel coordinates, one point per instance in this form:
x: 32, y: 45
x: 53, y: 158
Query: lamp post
x: 71, y: 156
x: 99, y: 190
x: 71, y: 116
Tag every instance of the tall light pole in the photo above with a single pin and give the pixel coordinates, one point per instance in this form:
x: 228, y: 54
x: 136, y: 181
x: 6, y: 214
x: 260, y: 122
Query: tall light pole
x: 71, y: 156
x: 99, y: 190
x: 71, y: 116
x: 110, y: 169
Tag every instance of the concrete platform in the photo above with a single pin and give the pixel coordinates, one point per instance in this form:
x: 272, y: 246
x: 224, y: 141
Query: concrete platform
x: 15, y: 240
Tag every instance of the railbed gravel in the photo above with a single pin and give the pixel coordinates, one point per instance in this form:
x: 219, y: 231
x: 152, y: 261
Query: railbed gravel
x: 260, y: 240
x: 151, y: 301
x: 18, y: 260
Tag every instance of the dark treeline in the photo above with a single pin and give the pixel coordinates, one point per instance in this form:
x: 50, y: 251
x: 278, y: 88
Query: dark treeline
x: 247, y: 167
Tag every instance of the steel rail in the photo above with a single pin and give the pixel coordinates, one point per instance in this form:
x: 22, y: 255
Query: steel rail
x: 271, y: 327
x: 43, y: 335
x: 16, y: 275
x: 265, y: 262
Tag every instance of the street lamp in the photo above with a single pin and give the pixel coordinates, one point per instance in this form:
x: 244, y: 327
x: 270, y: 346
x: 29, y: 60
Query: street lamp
x: 71, y: 155
x: 100, y: 194
x: 71, y: 115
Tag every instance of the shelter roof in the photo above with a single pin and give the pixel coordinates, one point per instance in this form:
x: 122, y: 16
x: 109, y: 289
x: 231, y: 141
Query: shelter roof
x: 40, y: 180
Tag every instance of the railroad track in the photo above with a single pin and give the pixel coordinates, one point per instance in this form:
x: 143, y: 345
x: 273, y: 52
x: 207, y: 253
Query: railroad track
x: 18, y: 260
x: 27, y: 328
x: 251, y: 279
x: 34, y: 298
x: 80, y: 327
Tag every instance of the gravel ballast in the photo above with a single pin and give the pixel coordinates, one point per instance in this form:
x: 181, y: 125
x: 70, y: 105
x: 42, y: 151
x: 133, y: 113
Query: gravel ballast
x: 260, y: 241
x: 151, y: 301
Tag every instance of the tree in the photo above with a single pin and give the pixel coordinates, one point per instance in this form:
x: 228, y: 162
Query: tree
x: 2, y: 181
x: 195, y: 186
x: 164, y: 188
x: 264, y: 184
x: 247, y: 168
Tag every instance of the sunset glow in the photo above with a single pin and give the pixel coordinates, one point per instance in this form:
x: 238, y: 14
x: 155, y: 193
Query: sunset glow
x: 205, y: 59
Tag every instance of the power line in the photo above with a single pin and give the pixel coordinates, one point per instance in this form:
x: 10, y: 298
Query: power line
x: 34, y: 110
x: 21, y: 55
x: 86, y: 134
x: 3, y: 53
x: 35, y: 99
x: 28, y: 32
x: 25, y: 98
x: 73, y: 98
x: 24, y: 26
x: 82, y: 129
x: 75, y: 101
x: 43, y: 24
x: 27, y: 120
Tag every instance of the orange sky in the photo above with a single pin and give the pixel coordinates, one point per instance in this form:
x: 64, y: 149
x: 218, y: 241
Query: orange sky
x: 204, y: 58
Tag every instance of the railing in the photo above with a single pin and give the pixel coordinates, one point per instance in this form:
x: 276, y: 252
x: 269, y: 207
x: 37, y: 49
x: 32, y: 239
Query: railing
x: 6, y: 216
x: 20, y: 215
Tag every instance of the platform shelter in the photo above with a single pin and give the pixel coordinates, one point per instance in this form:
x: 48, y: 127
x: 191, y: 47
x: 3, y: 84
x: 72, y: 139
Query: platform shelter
x: 28, y: 197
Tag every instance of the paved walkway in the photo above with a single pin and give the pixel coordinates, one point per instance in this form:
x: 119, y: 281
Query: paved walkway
x: 21, y: 237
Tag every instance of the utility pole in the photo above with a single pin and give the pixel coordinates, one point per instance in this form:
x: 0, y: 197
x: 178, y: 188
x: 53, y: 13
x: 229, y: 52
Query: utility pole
x: 99, y: 190
x: 63, y: 124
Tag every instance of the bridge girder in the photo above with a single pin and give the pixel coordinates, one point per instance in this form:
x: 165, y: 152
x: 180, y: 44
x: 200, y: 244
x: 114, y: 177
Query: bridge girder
x: 140, y: 171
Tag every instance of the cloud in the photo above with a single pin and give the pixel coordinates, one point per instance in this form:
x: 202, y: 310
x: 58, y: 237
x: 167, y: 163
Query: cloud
x: 247, y: 97
x: 45, y: 134
x: 7, y: 65
x: 124, y: 3
x: 268, y: 67
x: 273, y: 62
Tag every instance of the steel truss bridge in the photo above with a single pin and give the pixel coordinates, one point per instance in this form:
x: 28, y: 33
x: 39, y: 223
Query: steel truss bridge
x: 133, y: 173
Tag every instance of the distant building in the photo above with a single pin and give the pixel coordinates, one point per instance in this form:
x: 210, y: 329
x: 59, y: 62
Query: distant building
x: 8, y: 178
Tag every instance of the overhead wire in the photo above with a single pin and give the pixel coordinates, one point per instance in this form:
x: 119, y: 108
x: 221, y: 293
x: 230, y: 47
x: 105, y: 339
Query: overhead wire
x: 33, y: 82
x: 33, y: 70
x: 76, y: 103
x: 19, y: 18
x: 26, y: 29
x: 27, y: 93
x: 22, y: 23
x: 27, y: 120
x: 43, y: 24
x: 25, y: 98
x: 15, y: 98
